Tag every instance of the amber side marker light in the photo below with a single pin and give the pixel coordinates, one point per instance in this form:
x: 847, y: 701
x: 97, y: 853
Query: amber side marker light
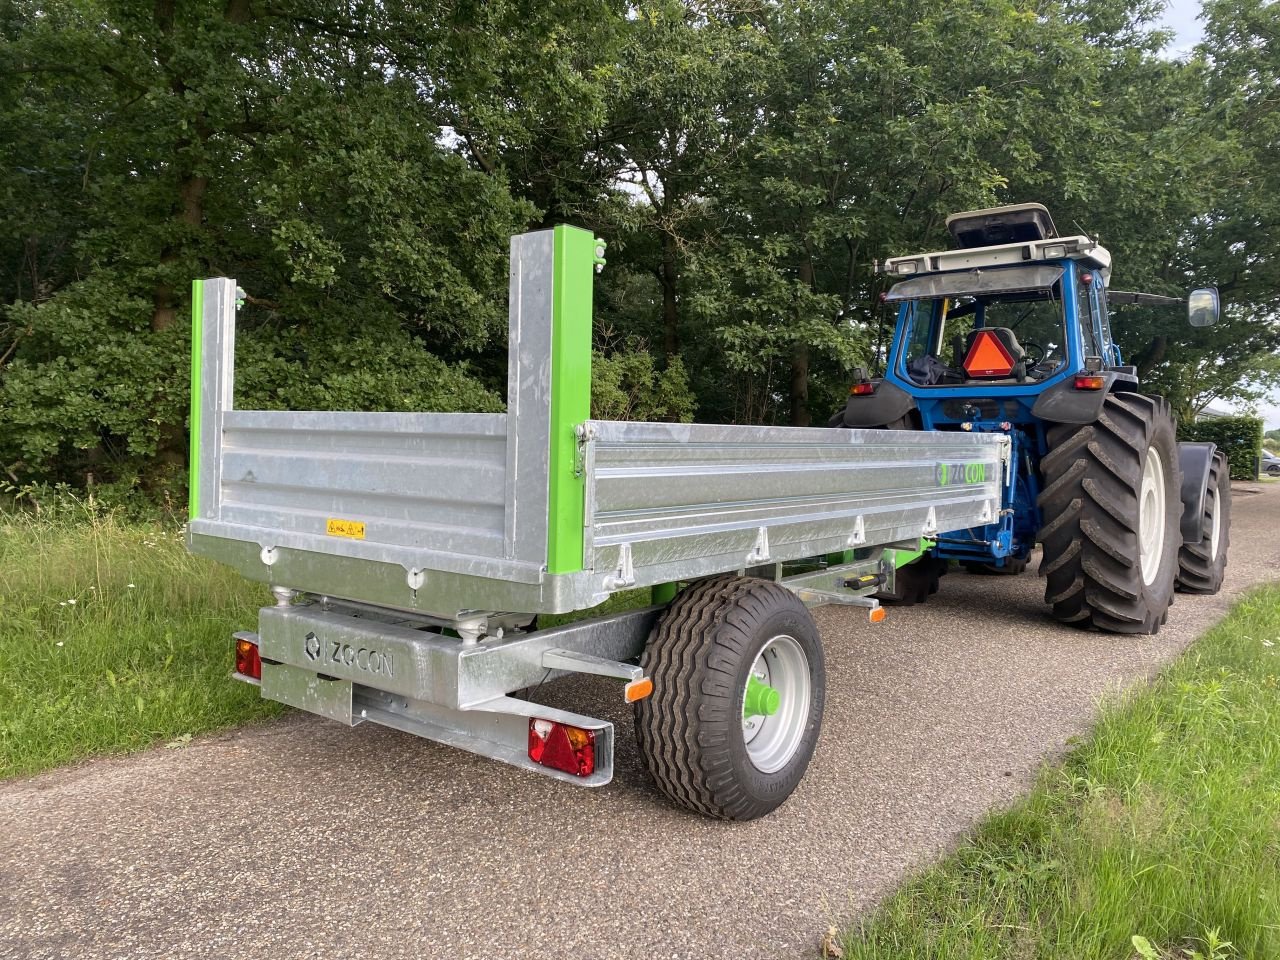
x: 1090, y: 381
x: 877, y: 615
x: 637, y: 689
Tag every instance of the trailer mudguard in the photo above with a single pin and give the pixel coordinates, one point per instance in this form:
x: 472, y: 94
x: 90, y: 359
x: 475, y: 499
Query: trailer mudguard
x: 1195, y: 460
x: 879, y: 409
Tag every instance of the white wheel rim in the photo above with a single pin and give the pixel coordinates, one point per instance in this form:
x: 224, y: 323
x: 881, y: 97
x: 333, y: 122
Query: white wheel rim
x: 1151, y: 516
x: 773, y: 740
x: 1215, y: 528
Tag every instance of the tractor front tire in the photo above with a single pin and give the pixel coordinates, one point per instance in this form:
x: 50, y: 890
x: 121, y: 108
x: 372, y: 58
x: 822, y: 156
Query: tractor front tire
x: 1202, y: 565
x: 738, y: 690
x: 1012, y: 567
x: 914, y: 583
x: 1111, y: 505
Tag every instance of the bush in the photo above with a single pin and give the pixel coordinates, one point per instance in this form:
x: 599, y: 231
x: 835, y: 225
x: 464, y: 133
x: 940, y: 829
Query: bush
x: 1240, y: 438
x: 626, y: 384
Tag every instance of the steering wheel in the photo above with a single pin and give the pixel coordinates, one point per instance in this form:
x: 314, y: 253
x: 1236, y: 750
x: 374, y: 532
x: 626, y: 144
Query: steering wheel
x: 1028, y: 346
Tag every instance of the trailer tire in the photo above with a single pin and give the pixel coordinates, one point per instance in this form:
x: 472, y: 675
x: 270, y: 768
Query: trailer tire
x: 1202, y: 565
x: 1111, y: 506
x: 692, y: 731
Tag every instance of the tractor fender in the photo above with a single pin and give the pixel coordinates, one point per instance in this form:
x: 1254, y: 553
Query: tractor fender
x: 1195, y: 460
x: 879, y: 409
x: 1063, y: 403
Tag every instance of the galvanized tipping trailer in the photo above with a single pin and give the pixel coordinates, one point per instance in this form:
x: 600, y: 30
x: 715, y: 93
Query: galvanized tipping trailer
x: 411, y: 554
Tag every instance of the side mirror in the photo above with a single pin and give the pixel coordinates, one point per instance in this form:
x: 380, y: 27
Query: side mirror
x: 1202, y: 307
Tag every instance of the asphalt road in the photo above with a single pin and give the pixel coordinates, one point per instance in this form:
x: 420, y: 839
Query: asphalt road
x: 301, y: 838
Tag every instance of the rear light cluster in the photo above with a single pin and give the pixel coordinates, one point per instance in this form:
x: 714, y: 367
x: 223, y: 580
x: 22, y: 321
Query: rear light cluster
x: 562, y: 747
x: 248, y: 663
x: 863, y: 389
x: 1090, y: 381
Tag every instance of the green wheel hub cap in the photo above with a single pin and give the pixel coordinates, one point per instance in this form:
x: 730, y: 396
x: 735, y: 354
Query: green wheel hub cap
x: 761, y: 699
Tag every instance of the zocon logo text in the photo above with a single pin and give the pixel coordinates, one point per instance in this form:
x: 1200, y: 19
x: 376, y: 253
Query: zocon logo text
x: 335, y: 652
x: 957, y: 474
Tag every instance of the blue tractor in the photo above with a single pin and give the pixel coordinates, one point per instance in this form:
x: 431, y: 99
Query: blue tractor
x: 1009, y: 332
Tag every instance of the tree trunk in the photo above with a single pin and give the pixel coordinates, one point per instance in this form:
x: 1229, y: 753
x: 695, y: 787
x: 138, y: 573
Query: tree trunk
x: 1151, y: 357
x: 800, y: 385
x: 165, y: 309
x: 670, y: 309
x: 800, y: 363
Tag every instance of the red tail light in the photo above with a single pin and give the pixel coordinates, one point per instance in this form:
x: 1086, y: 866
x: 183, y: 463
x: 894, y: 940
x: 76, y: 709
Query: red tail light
x: 988, y: 357
x: 1090, y: 381
x: 863, y: 389
x: 248, y: 663
x: 562, y: 747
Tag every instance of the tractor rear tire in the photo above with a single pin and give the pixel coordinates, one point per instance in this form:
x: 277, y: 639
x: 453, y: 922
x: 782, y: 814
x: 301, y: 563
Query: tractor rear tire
x: 1111, y: 506
x: 698, y: 742
x: 1202, y: 565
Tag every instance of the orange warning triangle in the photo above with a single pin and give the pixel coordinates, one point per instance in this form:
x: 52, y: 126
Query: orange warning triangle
x: 988, y: 357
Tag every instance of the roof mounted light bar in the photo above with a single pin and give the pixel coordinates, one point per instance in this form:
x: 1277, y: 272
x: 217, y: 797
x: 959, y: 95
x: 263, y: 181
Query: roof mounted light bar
x: 1054, y: 248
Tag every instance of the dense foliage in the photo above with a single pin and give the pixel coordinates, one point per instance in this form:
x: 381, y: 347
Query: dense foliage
x: 359, y: 166
x: 1240, y: 438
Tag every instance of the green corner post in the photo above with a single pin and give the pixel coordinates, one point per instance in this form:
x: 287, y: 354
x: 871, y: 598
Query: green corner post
x: 576, y: 253
x: 197, y: 341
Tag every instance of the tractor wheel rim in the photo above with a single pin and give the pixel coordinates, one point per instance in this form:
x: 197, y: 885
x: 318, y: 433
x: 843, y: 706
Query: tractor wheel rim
x: 1151, y: 516
x: 773, y: 740
x: 1215, y: 528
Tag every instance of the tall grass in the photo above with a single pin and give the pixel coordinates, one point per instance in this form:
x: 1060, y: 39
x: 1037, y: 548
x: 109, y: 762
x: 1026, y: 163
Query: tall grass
x: 1164, y: 826
x: 112, y: 637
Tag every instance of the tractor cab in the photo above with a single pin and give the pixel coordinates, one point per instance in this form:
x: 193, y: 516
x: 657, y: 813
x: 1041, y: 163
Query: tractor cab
x: 1009, y: 332
x: 1013, y: 310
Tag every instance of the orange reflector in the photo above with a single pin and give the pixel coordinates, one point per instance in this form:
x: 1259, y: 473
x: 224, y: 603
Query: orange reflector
x: 877, y: 614
x: 988, y: 357
x: 1090, y: 381
x: 637, y: 689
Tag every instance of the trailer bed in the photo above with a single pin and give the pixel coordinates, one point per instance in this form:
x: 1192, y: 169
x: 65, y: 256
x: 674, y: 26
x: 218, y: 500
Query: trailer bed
x: 541, y: 509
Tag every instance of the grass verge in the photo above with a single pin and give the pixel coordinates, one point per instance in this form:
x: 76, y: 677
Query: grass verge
x: 1159, y: 837
x: 113, y: 637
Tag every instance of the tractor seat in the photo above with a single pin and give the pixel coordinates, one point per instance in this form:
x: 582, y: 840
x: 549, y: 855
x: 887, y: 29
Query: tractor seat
x: 961, y: 345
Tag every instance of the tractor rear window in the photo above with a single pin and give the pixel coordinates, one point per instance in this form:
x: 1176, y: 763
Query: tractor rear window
x: 940, y: 333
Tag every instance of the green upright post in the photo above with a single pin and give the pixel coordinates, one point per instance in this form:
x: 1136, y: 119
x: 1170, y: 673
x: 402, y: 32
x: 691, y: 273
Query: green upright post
x: 574, y: 255
x: 197, y: 342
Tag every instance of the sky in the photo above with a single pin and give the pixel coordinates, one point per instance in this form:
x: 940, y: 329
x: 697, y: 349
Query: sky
x: 1180, y: 17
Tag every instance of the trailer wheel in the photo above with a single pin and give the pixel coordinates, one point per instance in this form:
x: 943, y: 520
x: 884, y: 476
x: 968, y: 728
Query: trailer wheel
x: 1111, y: 505
x: 1202, y: 565
x: 738, y: 690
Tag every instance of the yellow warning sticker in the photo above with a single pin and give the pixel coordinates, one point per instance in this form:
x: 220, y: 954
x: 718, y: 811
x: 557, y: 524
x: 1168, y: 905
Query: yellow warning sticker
x: 352, y: 529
